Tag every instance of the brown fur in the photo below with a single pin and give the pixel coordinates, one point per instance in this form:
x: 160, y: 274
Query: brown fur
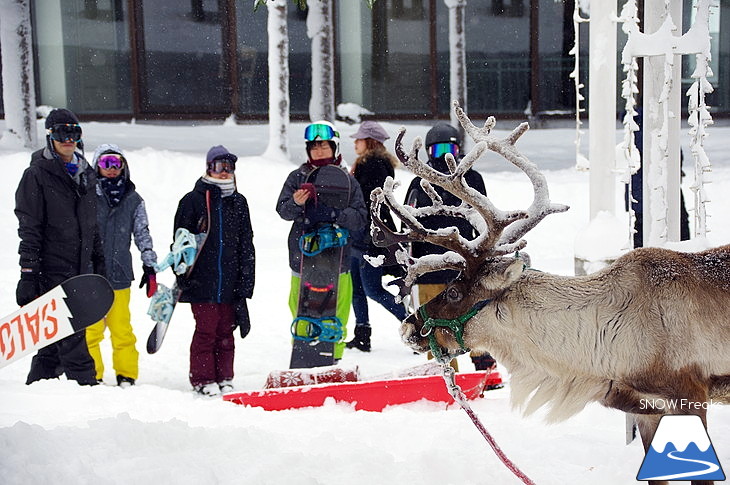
x: 654, y: 325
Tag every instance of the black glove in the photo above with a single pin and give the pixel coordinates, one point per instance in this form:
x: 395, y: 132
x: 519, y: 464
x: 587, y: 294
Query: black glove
x: 29, y: 288
x: 243, y: 322
x: 149, y: 279
x: 322, y: 213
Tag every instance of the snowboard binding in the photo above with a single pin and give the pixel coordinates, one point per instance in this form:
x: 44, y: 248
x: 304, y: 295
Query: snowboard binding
x: 326, y: 329
x: 182, y: 253
x: 325, y: 237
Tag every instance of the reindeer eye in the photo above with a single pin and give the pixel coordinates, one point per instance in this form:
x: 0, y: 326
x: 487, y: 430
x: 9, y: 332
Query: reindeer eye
x: 452, y: 294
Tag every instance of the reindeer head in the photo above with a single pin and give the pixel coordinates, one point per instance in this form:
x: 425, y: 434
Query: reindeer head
x: 486, y: 265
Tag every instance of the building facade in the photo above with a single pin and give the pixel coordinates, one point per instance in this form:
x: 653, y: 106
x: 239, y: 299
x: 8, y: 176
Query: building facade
x: 198, y: 59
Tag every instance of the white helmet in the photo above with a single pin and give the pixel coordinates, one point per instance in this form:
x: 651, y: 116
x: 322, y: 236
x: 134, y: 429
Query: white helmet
x: 323, y: 131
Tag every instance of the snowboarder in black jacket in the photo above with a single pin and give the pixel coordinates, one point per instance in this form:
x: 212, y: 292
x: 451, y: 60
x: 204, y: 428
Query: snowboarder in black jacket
x: 223, y: 276
x: 441, y: 139
x: 56, y: 208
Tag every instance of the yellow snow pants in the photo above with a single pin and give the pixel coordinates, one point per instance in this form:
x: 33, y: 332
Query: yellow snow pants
x: 125, y: 357
x: 342, y: 311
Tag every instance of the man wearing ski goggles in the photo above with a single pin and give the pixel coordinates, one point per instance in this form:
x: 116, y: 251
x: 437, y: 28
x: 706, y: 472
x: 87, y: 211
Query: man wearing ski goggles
x: 438, y: 150
x: 65, y: 133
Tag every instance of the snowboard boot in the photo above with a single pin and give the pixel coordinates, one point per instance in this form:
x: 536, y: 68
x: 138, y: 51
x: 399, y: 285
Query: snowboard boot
x: 123, y: 381
x: 226, y: 386
x: 209, y: 390
x: 361, y: 340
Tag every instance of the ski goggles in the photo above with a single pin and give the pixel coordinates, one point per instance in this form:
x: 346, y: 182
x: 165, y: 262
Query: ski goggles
x: 222, y: 165
x: 320, y: 132
x: 111, y: 160
x: 438, y: 150
x: 65, y: 133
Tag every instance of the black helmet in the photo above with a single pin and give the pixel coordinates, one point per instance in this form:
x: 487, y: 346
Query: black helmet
x: 443, y: 132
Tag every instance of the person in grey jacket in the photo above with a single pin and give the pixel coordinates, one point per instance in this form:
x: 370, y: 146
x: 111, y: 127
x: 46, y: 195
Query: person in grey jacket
x: 323, y: 148
x: 121, y: 216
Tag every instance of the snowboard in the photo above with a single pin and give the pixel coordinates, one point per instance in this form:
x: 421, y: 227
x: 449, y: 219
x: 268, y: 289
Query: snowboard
x: 169, y: 298
x: 68, y: 308
x: 181, y: 259
x: 367, y: 395
x: 315, y: 328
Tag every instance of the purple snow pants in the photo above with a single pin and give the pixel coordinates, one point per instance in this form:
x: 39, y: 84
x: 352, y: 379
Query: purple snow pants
x: 213, y: 347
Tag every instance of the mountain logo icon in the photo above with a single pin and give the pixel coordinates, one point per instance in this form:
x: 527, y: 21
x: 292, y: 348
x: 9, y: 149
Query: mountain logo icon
x: 681, y: 450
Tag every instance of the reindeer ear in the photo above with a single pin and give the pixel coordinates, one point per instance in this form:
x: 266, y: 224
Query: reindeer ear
x: 503, y: 273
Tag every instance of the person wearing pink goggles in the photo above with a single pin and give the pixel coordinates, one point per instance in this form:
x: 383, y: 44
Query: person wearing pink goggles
x: 122, y: 216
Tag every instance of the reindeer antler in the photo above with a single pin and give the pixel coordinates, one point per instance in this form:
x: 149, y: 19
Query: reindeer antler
x: 499, y: 231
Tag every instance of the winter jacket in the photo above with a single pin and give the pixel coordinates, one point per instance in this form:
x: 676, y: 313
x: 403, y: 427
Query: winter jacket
x: 371, y: 173
x: 351, y: 218
x: 58, y: 230
x: 224, y: 271
x: 416, y: 197
x: 118, y: 223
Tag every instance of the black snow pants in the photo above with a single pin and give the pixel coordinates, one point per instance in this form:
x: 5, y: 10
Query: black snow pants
x: 70, y: 356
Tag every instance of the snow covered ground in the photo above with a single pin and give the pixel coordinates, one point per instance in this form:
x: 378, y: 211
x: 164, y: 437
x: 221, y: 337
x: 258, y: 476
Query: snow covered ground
x: 159, y: 432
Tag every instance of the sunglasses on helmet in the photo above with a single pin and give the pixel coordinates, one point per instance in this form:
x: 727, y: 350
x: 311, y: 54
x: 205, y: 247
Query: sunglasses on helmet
x: 221, y: 165
x: 438, y: 150
x: 319, y: 132
x: 111, y: 160
x: 65, y: 133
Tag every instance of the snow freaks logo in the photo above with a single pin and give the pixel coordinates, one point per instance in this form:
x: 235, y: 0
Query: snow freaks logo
x: 681, y: 450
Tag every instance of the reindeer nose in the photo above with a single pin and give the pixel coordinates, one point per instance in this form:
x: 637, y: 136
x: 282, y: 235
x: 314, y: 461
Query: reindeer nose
x: 411, y: 335
x: 411, y: 319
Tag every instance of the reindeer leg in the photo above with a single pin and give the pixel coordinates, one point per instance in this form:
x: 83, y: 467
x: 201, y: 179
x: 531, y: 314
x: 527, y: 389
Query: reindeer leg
x: 647, y: 424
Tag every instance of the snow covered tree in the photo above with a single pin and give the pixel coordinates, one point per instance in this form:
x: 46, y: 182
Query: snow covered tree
x: 320, y: 31
x: 17, y: 72
x: 278, y: 80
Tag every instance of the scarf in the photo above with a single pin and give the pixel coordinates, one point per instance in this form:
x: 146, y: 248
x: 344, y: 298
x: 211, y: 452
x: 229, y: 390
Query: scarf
x: 227, y: 186
x: 114, y: 188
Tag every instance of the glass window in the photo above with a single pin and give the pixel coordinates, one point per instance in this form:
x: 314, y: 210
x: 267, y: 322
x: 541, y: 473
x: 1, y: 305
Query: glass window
x: 182, y: 64
x: 252, y: 58
x: 556, y: 88
x: 300, y: 61
x: 400, y: 64
x: 83, y: 55
x: 385, y: 68
x: 253, y: 67
x: 498, y: 56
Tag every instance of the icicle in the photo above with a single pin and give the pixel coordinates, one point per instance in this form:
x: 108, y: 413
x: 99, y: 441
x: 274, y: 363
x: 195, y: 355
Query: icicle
x: 699, y: 116
x: 581, y: 161
x: 630, y: 25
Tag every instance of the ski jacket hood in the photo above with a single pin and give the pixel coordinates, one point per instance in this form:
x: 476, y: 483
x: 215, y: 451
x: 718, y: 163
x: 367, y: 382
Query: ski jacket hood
x: 105, y: 148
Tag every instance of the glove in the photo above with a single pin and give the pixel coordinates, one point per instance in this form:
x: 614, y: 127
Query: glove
x: 322, y: 213
x: 149, y: 278
x: 28, y: 288
x: 243, y: 322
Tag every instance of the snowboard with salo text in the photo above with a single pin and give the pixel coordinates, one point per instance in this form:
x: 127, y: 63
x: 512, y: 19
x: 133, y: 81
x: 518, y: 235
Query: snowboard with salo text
x: 68, y: 308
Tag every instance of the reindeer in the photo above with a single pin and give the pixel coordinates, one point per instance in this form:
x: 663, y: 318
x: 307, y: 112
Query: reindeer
x: 653, y: 325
